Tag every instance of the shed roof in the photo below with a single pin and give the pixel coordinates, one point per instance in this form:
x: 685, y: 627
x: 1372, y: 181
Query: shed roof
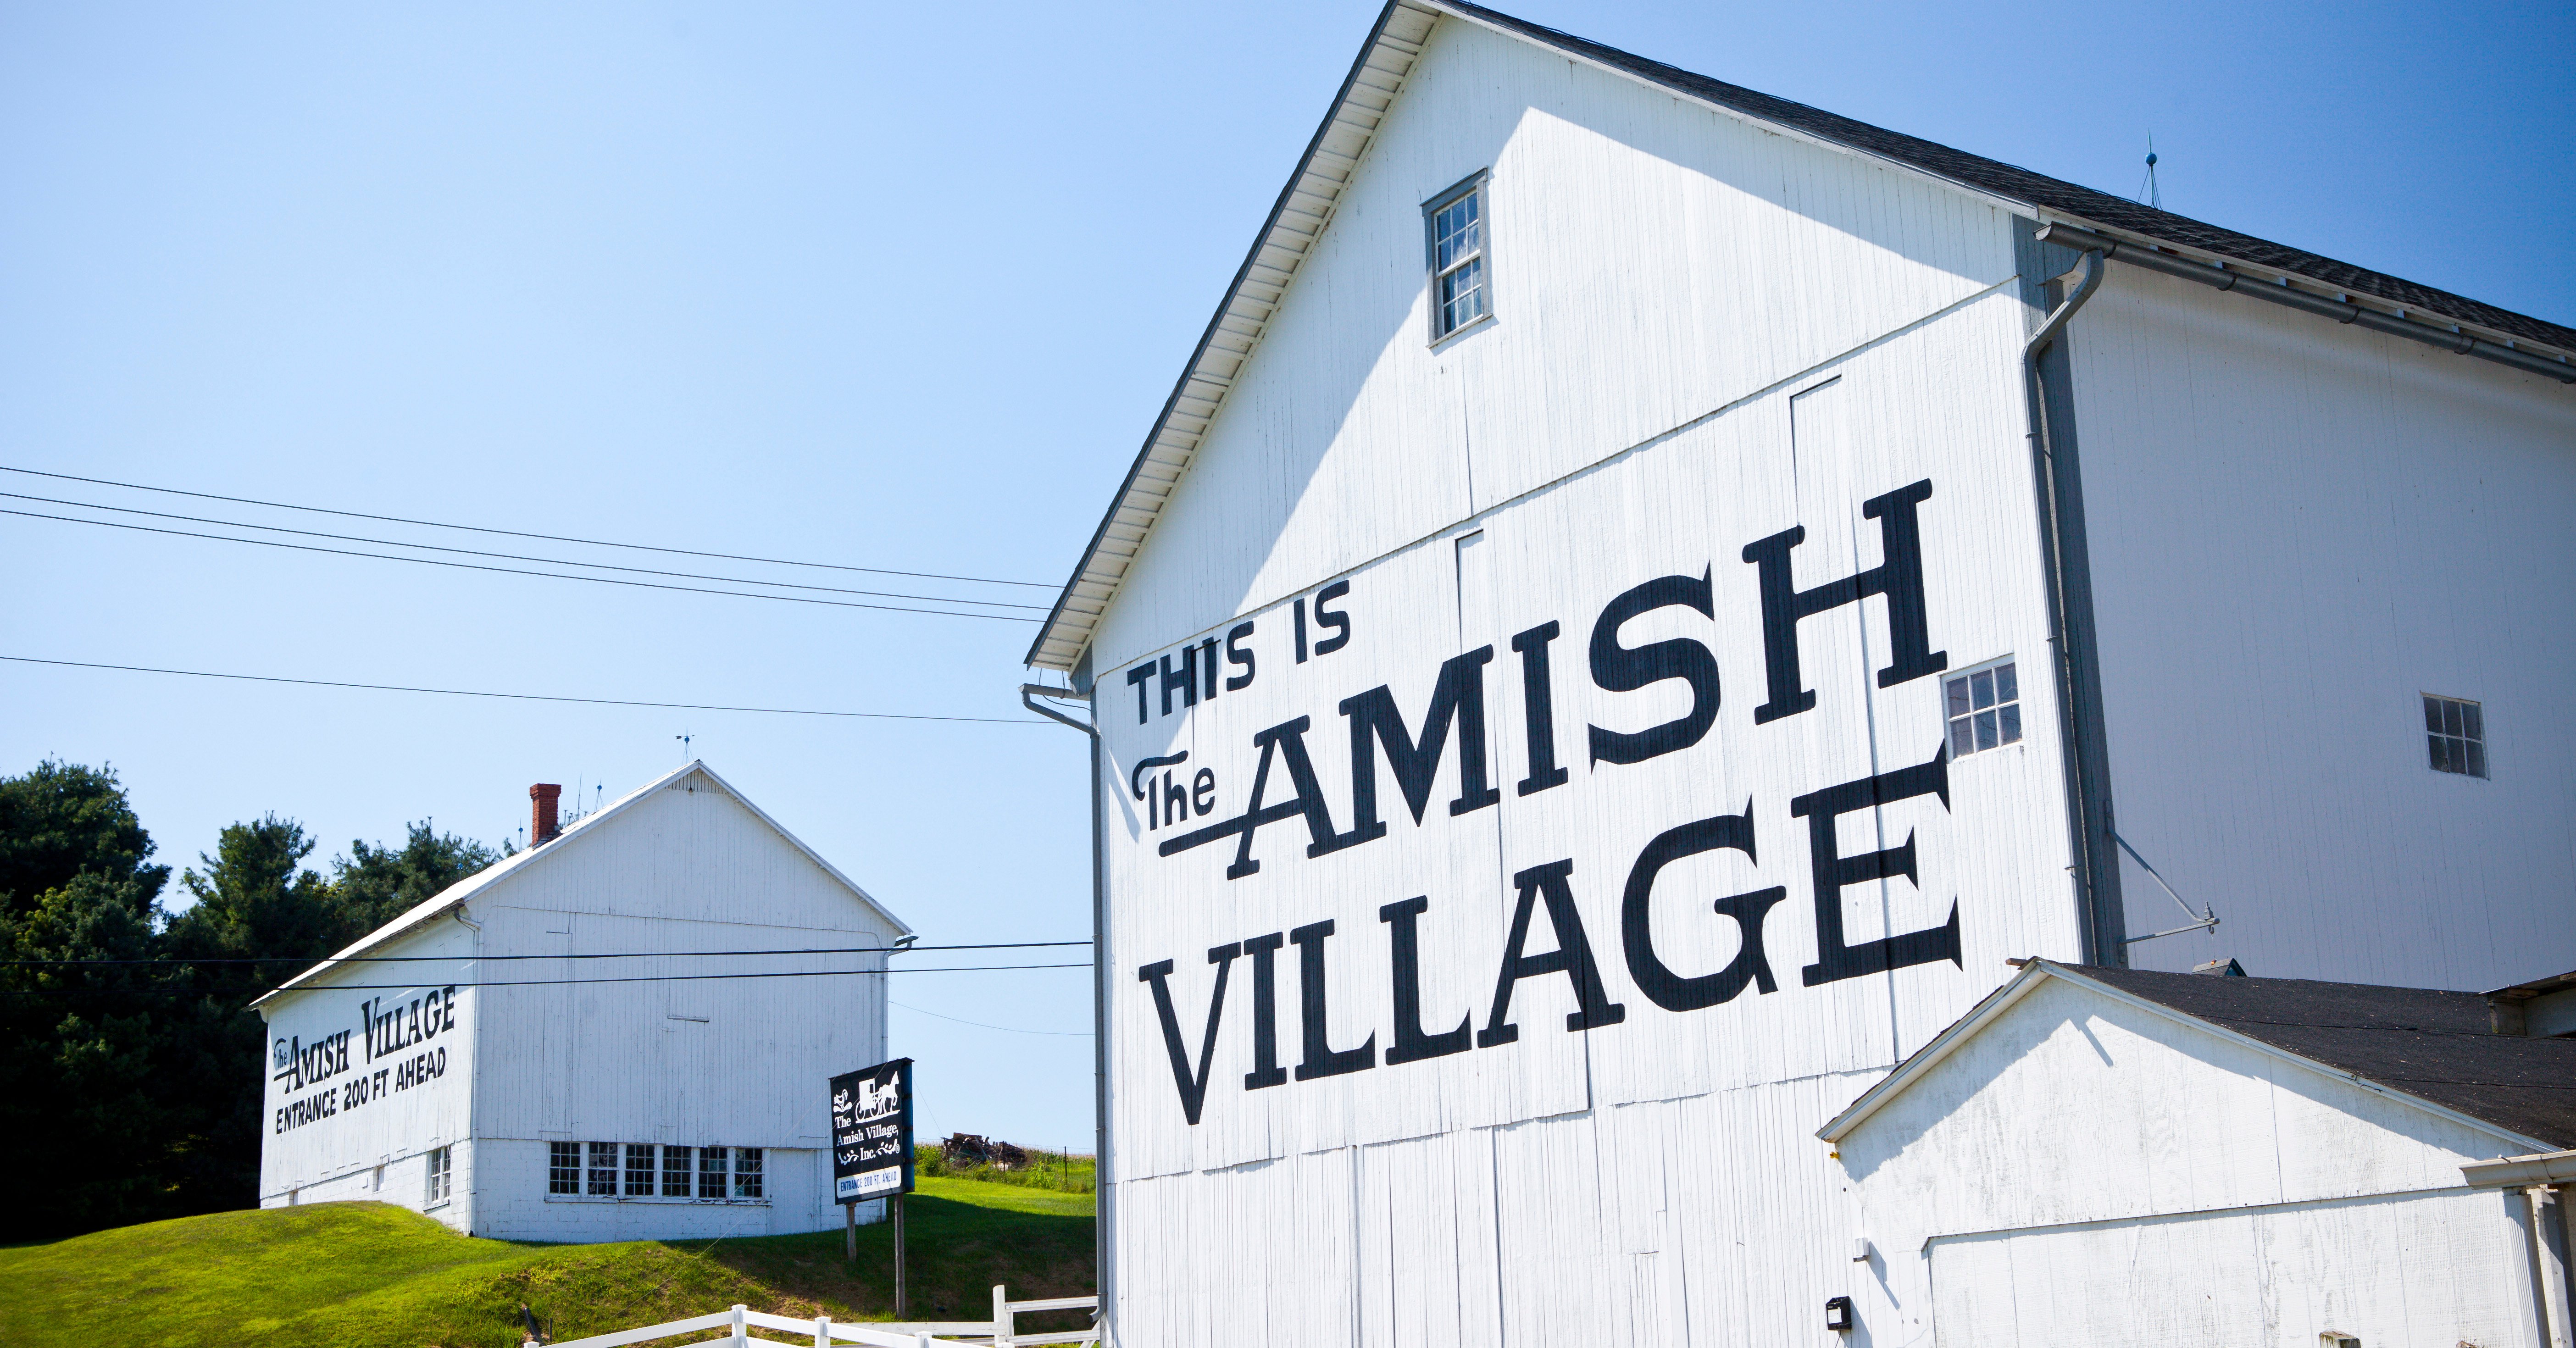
x: 2431, y: 1045
x: 455, y: 896
x: 1305, y: 206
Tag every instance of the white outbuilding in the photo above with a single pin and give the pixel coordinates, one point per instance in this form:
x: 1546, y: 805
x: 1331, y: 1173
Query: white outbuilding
x: 2123, y: 1157
x: 547, y: 1050
x: 1646, y: 594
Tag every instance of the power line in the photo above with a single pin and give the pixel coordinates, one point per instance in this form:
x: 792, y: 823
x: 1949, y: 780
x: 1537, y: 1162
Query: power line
x: 1006, y: 1029
x: 515, y: 533
x: 582, y: 982
x: 334, y: 960
x: 518, y: 697
x: 517, y: 571
x: 505, y: 556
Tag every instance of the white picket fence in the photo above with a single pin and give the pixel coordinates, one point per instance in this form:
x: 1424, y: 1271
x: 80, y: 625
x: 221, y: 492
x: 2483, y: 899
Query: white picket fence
x: 822, y: 1333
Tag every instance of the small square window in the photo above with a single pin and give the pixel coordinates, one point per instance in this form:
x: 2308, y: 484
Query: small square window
x: 639, y: 1170
x: 439, y: 1158
x: 1984, y: 708
x: 746, y: 1172
x: 1461, y: 291
x: 675, y: 1171
x: 563, y: 1167
x: 603, y: 1170
x: 711, y: 1172
x: 2455, y: 735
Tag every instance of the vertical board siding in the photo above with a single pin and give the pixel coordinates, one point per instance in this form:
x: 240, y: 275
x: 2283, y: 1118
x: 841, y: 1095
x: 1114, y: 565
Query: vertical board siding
x: 733, y: 1062
x: 2298, y: 530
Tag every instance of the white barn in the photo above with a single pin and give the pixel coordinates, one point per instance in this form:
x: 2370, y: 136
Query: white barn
x: 1646, y: 594
x: 529, y: 1055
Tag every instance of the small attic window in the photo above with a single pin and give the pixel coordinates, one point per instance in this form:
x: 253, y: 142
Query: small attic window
x: 1461, y: 286
x: 2455, y: 735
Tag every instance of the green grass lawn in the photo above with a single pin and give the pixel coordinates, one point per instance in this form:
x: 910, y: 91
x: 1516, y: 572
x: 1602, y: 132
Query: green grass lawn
x: 367, y: 1275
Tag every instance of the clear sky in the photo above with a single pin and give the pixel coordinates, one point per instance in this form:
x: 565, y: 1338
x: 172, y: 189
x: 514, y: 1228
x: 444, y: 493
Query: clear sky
x: 890, y: 286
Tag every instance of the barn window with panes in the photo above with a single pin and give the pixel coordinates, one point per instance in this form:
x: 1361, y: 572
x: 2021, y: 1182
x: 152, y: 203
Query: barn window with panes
x: 675, y: 1172
x: 563, y: 1167
x: 711, y: 1172
x: 2455, y: 734
x: 603, y: 1170
x: 746, y: 1172
x: 1461, y: 283
x: 1984, y: 708
x: 639, y: 1170
x: 439, y: 1163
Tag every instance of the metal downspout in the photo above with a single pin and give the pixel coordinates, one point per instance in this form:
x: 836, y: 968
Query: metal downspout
x: 1102, y: 1199
x: 2100, y: 947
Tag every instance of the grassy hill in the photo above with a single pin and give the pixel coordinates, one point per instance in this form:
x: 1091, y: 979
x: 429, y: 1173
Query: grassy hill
x: 367, y: 1275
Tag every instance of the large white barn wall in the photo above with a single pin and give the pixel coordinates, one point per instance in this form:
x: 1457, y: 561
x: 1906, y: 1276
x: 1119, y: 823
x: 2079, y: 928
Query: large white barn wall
x: 2297, y: 529
x: 1734, y: 258
x: 734, y: 1062
x: 1606, y: 432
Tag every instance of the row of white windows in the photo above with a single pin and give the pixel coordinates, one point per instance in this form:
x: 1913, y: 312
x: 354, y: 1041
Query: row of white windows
x: 644, y: 1170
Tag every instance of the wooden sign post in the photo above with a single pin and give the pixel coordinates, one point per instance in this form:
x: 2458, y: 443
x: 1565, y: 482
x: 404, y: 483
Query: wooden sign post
x: 872, y: 1151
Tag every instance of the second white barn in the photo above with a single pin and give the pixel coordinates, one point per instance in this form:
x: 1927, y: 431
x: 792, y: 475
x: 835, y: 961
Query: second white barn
x: 530, y: 1054
x: 1647, y: 594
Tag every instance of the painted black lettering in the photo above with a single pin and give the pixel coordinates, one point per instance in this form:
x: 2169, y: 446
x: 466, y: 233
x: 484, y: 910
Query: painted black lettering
x: 1662, y: 986
x: 1299, y: 609
x: 1405, y: 946
x: 1185, y: 680
x: 1834, y: 871
x: 1538, y: 710
x: 1136, y: 679
x: 1340, y: 623
x: 1459, y: 696
x: 1207, y: 666
x: 1191, y: 1081
x: 1203, y: 793
x: 1622, y: 669
x: 1572, y: 957
x: 1236, y: 653
x: 1898, y: 578
x: 1176, y: 802
x: 1266, y: 1070
x: 1287, y: 741
x: 1322, y: 1060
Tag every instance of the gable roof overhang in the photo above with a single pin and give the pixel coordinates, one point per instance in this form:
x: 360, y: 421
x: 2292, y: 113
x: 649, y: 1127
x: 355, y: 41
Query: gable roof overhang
x: 456, y: 896
x: 2037, y: 972
x: 1305, y: 206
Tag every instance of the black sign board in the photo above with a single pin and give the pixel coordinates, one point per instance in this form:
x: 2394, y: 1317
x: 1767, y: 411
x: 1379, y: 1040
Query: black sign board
x: 872, y: 1132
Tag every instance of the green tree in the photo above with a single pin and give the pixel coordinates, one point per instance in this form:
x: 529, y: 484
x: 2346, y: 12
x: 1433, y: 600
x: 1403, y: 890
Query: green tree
x: 379, y: 883
x: 63, y: 820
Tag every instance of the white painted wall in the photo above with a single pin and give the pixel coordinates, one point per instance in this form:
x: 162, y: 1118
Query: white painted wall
x: 1707, y: 334
x: 701, y: 1061
x: 2297, y: 530
x: 2086, y: 1170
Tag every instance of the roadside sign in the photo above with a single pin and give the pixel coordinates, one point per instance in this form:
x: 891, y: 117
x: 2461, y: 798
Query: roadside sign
x: 872, y: 1132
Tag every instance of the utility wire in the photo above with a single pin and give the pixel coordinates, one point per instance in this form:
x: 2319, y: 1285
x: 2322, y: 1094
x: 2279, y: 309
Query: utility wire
x: 594, y: 955
x: 573, y: 982
x: 515, y: 533
x: 517, y: 697
x: 1006, y: 1029
x: 518, y: 571
x: 505, y: 556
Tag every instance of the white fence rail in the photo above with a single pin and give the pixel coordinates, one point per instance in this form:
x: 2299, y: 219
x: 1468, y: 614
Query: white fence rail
x: 822, y: 1333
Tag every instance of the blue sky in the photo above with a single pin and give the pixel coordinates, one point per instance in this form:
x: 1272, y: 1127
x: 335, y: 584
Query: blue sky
x: 889, y: 286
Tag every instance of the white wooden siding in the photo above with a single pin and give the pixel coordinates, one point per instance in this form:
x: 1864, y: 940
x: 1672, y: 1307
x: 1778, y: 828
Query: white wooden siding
x: 2083, y: 1170
x: 2297, y: 530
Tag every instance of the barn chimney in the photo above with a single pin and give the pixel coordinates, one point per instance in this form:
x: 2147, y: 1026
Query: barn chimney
x: 541, y: 821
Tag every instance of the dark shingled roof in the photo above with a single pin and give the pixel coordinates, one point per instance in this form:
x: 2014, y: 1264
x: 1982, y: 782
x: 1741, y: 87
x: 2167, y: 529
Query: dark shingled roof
x: 2429, y: 1044
x: 2040, y: 190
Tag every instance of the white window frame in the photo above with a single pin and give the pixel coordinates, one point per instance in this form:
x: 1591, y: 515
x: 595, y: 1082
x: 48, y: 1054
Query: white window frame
x: 2019, y: 702
x: 1476, y: 184
x: 441, y: 1180
x: 726, y: 1178
x: 2464, y: 736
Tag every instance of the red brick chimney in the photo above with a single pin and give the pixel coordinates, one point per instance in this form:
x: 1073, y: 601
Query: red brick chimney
x: 541, y: 822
